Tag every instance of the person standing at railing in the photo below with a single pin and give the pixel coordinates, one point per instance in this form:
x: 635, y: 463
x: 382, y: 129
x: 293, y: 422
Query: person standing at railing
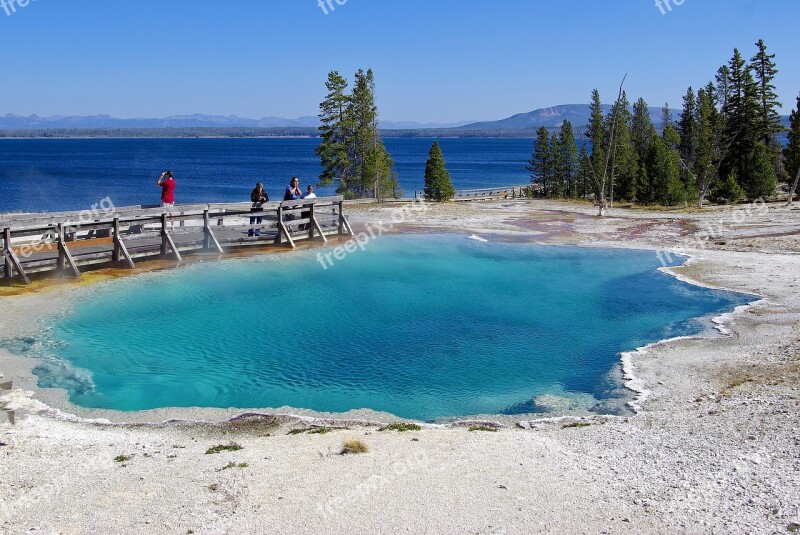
x: 258, y: 197
x: 293, y: 191
x: 167, y: 184
x: 310, y: 193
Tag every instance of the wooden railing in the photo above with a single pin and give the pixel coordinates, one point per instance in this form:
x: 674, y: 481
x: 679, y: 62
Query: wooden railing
x: 502, y: 192
x: 65, y: 241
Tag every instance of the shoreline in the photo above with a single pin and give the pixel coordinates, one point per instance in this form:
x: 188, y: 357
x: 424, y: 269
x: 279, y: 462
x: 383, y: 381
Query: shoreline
x: 56, y: 404
x: 713, y: 448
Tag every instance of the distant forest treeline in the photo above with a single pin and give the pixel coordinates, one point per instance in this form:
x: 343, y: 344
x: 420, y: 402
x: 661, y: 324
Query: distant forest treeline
x: 245, y: 132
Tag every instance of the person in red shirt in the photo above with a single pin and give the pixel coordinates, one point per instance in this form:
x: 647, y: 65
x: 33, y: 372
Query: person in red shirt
x: 167, y: 184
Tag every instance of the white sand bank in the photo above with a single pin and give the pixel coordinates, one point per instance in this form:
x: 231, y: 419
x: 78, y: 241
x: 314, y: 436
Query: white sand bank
x: 715, y: 449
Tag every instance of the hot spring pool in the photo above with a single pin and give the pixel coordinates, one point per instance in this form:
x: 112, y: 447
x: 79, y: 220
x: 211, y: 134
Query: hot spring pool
x: 425, y: 327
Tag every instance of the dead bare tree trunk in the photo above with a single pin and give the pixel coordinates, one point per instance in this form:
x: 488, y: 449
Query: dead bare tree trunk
x: 794, y: 188
x: 601, y: 185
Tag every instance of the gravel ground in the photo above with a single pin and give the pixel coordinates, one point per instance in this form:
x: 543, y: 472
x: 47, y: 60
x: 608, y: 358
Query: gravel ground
x: 715, y: 447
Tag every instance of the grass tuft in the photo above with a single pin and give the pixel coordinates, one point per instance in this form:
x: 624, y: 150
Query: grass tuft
x: 578, y: 425
x: 314, y: 430
x: 401, y: 427
x: 354, y: 446
x: 233, y: 465
x: 233, y: 446
x: 122, y: 458
x: 483, y: 428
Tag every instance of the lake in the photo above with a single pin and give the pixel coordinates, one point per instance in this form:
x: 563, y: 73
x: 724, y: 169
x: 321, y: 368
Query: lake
x: 73, y: 174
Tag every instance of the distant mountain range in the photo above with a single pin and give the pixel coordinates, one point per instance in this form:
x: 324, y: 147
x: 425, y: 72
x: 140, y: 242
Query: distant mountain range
x: 577, y: 114
x: 35, y: 122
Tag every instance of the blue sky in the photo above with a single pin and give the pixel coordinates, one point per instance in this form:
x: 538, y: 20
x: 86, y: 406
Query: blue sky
x: 434, y: 60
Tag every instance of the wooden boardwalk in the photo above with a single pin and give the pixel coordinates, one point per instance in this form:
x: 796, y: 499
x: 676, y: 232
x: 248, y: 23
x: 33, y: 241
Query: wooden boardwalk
x: 117, y: 237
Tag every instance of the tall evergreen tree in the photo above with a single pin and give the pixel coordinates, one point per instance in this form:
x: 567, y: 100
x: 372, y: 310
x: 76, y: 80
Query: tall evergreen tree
x: 624, y: 165
x: 640, y: 128
x: 584, y: 172
x: 365, y: 134
x: 540, y: 164
x: 741, y: 117
x: 663, y: 173
x: 351, y: 151
x: 704, y: 170
x: 666, y: 117
x: 791, y: 154
x: 768, y: 123
x: 568, y: 159
x: 596, y: 133
x: 335, y: 128
x: 438, y: 186
x: 687, y: 127
x: 557, y: 189
x: 723, y: 87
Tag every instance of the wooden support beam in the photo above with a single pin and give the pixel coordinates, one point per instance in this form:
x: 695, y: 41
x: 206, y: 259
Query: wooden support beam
x: 208, y: 235
x: 120, y: 251
x: 64, y: 256
x: 166, y: 240
x: 319, y: 229
x: 11, y: 259
x: 341, y: 217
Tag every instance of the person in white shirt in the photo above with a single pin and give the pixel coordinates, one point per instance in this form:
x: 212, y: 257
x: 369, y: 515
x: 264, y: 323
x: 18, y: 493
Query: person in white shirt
x: 310, y: 193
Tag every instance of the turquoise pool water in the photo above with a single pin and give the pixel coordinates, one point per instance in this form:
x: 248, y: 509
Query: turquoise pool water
x: 422, y: 327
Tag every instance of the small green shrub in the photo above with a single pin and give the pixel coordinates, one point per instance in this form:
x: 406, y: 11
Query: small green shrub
x: 233, y: 446
x: 401, y: 427
x: 483, y: 428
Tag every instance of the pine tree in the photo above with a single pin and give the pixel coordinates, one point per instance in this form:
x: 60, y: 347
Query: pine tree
x: 768, y: 123
x: 663, y: 173
x: 761, y: 183
x: 727, y: 191
x: 568, y: 159
x: 666, y: 117
x: 438, y: 186
x: 540, y: 165
x: 791, y: 153
x: 640, y: 129
x: 687, y: 128
x: 585, y: 180
x: 335, y: 128
x: 557, y: 181
x: 741, y: 117
x: 705, y: 168
x: 596, y: 133
x: 351, y: 151
x: 624, y: 165
x: 365, y: 134
x: 723, y: 87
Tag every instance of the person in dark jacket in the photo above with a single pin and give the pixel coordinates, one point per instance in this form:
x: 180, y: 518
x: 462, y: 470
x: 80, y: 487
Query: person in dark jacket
x: 258, y: 197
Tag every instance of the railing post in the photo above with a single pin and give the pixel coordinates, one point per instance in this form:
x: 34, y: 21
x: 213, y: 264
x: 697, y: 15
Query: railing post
x: 8, y: 268
x: 341, y: 218
x: 311, y: 222
x: 115, y: 231
x: 206, y: 230
x: 61, y: 256
x: 280, y: 225
x: 164, y: 244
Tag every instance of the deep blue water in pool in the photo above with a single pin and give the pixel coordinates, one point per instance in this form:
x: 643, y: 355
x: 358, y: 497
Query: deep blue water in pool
x: 423, y: 327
